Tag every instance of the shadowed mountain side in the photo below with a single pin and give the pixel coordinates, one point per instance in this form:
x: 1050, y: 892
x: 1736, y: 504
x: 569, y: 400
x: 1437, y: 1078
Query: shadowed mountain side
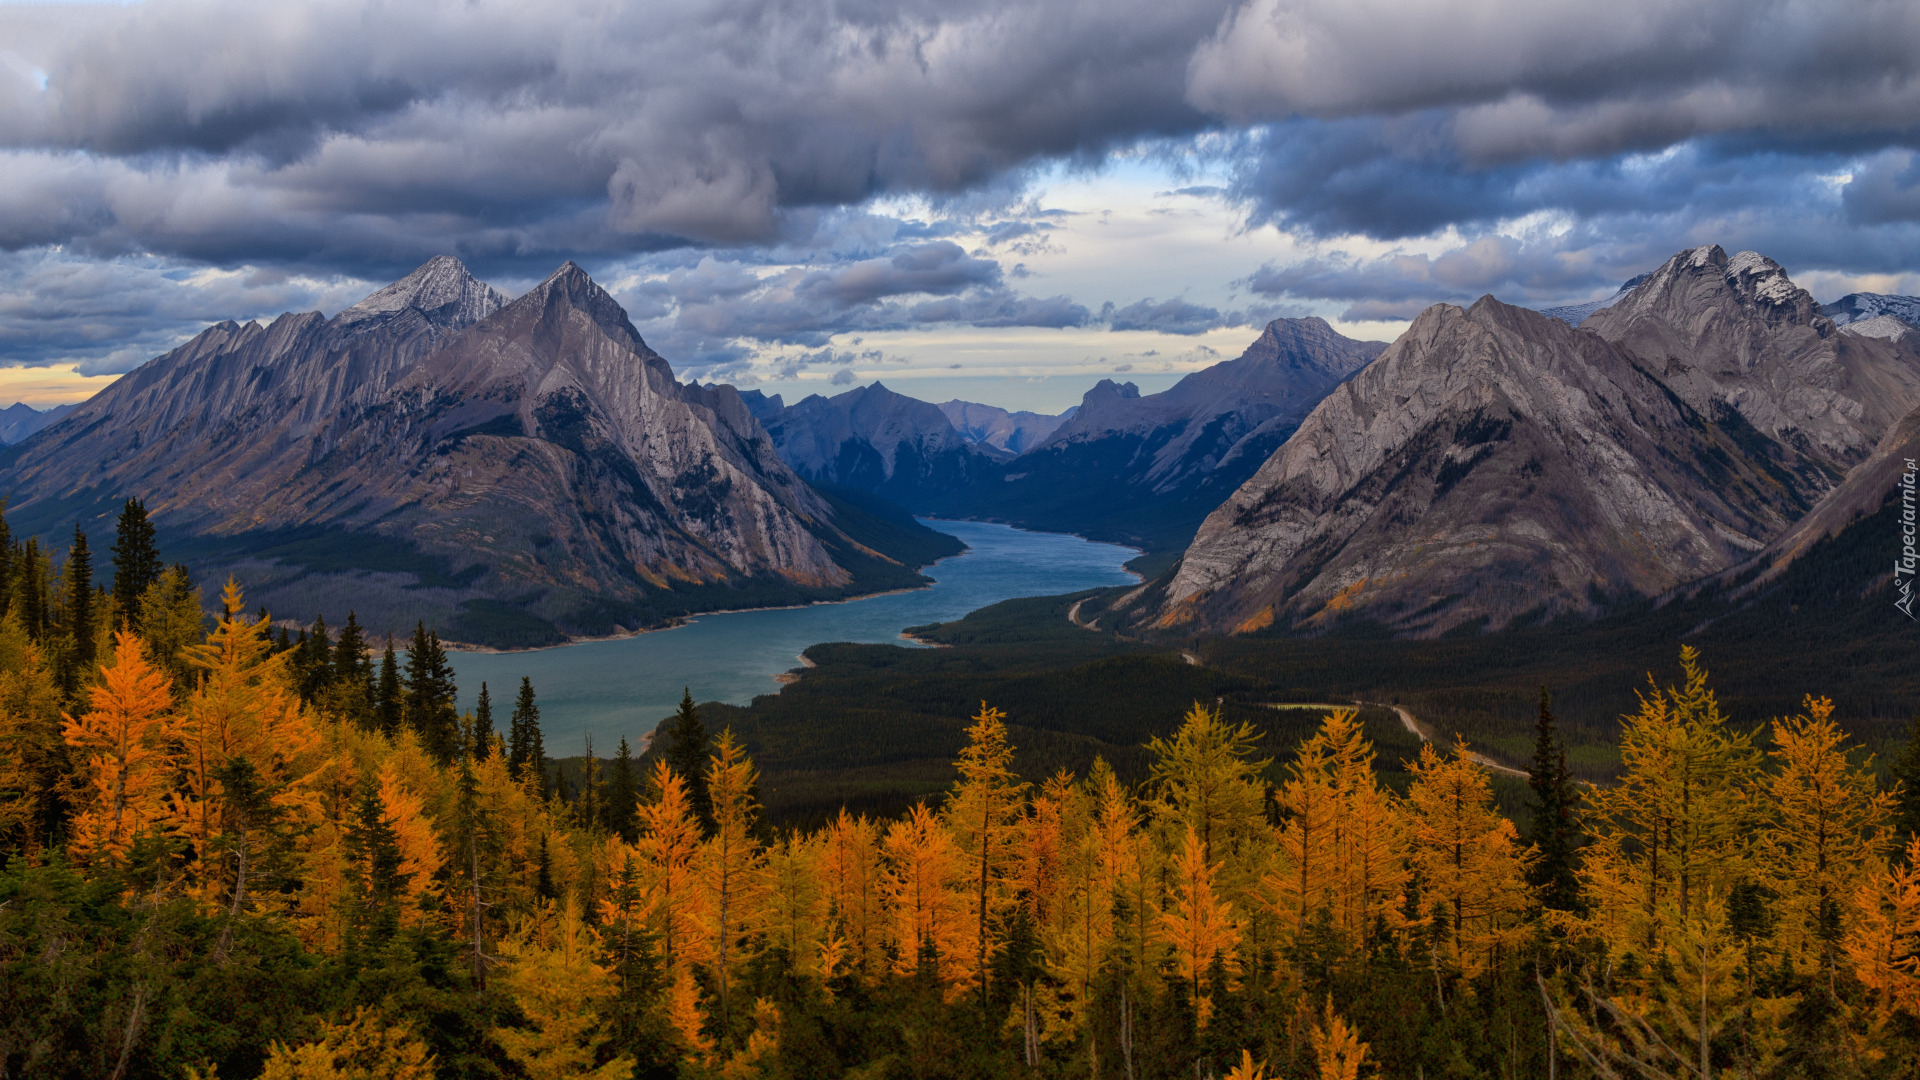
x: 535, y: 474
x: 1147, y: 470
x: 876, y: 440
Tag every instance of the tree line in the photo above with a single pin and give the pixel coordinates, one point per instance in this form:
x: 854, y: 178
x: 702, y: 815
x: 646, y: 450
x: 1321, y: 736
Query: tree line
x: 227, y: 857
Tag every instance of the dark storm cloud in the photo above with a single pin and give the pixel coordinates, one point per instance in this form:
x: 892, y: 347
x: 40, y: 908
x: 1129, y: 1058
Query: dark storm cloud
x: 352, y: 139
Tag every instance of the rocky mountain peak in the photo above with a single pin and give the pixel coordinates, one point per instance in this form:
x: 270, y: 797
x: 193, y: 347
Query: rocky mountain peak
x: 442, y: 290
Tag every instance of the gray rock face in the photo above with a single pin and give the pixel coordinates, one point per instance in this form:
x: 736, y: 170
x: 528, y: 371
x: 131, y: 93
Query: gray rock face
x: 1012, y: 433
x: 537, y: 455
x: 1494, y: 463
x: 1734, y: 332
x: 1575, y: 314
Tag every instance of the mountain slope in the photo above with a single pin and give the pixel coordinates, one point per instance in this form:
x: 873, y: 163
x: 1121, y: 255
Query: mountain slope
x: 1493, y: 465
x: 516, y: 473
x: 1147, y: 470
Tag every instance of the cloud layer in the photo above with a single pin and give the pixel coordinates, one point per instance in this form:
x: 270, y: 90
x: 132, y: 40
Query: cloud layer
x: 733, y: 160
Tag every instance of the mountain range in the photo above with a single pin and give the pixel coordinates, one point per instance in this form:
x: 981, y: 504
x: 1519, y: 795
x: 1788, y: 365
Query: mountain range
x: 1497, y: 467
x: 515, y: 472
x: 524, y: 471
x: 19, y: 420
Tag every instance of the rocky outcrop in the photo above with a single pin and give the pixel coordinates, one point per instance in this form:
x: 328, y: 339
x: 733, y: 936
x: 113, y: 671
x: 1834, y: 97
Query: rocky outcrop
x: 1734, y: 334
x: 1860, y: 307
x: 514, y: 471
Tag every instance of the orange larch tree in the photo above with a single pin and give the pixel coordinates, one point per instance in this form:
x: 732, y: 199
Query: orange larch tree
x: 1469, y: 858
x: 119, y: 745
x: 1200, y: 925
x: 986, y: 816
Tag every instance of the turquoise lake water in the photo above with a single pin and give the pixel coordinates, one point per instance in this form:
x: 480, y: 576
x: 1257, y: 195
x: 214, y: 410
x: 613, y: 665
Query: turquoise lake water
x: 623, y: 688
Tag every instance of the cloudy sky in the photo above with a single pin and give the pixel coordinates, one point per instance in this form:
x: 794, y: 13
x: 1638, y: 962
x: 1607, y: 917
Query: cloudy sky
x: 997, y: 200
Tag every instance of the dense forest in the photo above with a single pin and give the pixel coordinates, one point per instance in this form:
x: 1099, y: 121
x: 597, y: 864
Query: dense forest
x: 232, y: 851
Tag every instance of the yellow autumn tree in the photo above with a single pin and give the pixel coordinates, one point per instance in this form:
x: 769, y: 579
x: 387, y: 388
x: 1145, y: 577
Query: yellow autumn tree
x: 985, y: 815
x: 1337, y: 1047
x: 795, y: 916
x: 1471, y: 864
x: 558, y: 987
x: 29, y: 738
x: 731, y: 880
x: 855, y: 885
x: 1206, y: 778
x: 1339, y: 848
x: 1828, y: 829
x: 242, y: 706
x: 364, y: 1048
x: 669, y: 846
x: 930, y: 920
x: 421, y: 856
x: 120, y: 747
x: 1199, y: 924
x: 1883, y: 936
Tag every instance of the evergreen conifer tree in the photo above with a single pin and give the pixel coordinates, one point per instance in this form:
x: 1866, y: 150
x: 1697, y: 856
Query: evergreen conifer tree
x: 430, y: 695
x: 377, y: 884
x: 314, y: 662
x: 389, y: 702
x: 1556, y: 831
x: 619, y: 800
x: 351, y: 664
x: 483, y: 725
x: 526, y: 751
x: 687, y: 749
x: 79, y: 580
x: 136, y: 561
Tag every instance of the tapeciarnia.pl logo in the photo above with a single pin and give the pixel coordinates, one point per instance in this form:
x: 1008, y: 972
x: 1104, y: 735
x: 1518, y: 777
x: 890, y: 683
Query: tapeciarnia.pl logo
x: 1903, y: 567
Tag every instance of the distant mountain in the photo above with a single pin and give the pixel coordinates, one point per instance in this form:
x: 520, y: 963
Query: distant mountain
x: 1859, y: 307
x: 1886, y: 327
x: 1496, y: 466
x: 1013, y: 433
x: 514, y: 472
x: 1575, y: 314
x: 1147, y: 469
x: 872, y: 439
x: 19, y: 420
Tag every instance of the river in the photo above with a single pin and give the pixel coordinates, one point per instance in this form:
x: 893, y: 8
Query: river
x: 622, y: 688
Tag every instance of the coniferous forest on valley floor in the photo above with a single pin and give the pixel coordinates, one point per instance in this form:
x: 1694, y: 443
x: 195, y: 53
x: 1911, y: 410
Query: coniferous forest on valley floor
x: 232, y: 851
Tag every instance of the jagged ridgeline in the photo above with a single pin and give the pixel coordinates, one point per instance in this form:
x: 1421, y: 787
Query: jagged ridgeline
x: 514, y: 472
x: 205, y: 873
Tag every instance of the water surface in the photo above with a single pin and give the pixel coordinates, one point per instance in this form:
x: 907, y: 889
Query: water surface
x: 621, y: 689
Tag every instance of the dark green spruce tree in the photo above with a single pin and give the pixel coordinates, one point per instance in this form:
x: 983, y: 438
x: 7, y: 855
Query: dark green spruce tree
x: 136, y: 561
x: 1557, y: 832
x: 620, y: 801
x: 430, y: 695
x: 375, y: 890
x: 80, y: 602
x: 389, y: 699
x: 526, y: 749
x: 1906, y: 770
x: 687, y: 749
x: 314, y: 662
x: 483, y: 725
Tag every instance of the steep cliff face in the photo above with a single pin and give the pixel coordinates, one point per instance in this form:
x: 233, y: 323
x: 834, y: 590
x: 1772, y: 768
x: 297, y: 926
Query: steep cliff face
x: 1493, y: 464
x: 515, y: 472
x: 1147, y: 469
